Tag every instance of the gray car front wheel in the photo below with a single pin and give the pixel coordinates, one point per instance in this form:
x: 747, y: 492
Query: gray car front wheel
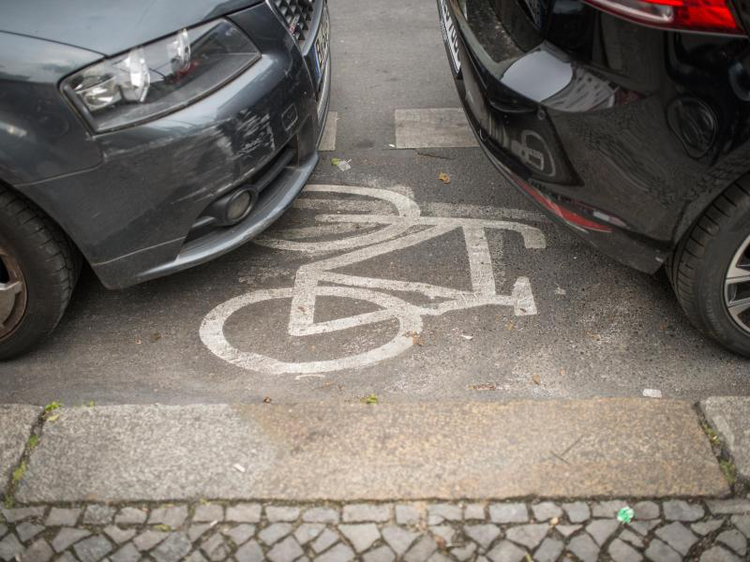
x: 38, y: 270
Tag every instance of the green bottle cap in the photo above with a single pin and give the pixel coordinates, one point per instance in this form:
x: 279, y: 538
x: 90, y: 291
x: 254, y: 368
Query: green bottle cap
x: 625, y: 515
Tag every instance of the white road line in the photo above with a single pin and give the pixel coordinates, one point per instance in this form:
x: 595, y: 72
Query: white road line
x: 532, y: 237
x: 403, y: 203
x: 437, y: 209
x: 480, y: 264
x: 367, y: 206
x: 310, y: 232
x: 328, y: 140
x: 433, y: 128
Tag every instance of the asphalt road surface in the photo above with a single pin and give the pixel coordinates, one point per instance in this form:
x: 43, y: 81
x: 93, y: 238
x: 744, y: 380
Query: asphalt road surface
x: 383, y: 279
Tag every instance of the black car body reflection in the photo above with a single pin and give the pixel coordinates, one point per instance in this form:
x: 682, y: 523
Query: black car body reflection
x: 625, y: 131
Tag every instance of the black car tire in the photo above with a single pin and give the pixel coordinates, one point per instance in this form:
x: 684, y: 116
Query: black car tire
x: 700, y: 263
x: 49, y: 266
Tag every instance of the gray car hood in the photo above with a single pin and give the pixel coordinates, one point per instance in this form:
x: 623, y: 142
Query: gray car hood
x: 109, y: 26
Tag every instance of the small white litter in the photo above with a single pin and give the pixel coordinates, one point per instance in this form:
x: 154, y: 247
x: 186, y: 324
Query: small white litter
x: 342, y: 165
x: 651, y: 393
x: 239, y: 468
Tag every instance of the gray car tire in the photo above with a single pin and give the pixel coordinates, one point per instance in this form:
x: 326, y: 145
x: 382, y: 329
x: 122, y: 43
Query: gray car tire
x: 48, y: 265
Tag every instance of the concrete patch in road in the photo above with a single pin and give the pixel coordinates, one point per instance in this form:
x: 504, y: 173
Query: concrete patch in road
x: 16, y: 422
x: 433, y: 128
x: 603, y: 447
x: 730, y: 417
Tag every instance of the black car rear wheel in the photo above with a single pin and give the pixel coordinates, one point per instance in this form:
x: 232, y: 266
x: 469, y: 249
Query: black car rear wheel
x: 737, y: 287
x: 711, y: 270
x: 38, y: 269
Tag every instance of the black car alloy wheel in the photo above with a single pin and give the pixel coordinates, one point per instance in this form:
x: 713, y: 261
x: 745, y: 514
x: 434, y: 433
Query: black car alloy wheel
x: 13, y: 295
x: 737, y: 287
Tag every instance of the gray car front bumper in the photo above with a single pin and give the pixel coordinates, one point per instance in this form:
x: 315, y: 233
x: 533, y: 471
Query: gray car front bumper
x: 133, y: 216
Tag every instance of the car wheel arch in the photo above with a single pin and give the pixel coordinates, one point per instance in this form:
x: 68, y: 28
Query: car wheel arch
x: 709, y: 188
x: 77, y: 253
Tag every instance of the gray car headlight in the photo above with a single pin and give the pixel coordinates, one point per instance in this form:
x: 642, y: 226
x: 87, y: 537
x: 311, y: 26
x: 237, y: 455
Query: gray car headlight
x: 161, y: 77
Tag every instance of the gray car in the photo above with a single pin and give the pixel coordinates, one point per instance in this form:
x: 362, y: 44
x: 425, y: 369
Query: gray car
x: 147, y: 137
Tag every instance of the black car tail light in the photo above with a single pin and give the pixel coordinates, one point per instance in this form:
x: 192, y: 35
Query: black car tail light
x: 573, y: 219
x: 712, y: 16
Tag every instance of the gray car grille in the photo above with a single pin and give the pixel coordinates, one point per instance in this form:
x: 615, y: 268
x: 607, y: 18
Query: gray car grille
x: 298, y: 16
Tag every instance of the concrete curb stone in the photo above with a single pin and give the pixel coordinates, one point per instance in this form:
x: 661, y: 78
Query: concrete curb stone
x: 311, y: 452
x: 16, y: 422
x: 729, y: 416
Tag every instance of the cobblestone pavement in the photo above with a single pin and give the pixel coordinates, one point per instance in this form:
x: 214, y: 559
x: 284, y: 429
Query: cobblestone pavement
x: 711, y: 530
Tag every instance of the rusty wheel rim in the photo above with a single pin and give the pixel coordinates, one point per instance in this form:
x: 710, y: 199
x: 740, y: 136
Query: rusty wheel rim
x: 13, y: 295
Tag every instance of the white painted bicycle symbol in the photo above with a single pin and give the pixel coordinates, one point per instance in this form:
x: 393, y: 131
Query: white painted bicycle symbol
x: 404, y: 229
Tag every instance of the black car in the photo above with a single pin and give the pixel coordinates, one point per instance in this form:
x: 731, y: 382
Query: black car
x: 627, y: 121
x: 147, y: 137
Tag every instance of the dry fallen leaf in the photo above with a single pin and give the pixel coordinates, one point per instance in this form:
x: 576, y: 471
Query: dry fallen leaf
x: 416, y: 339
x: 537, y: 379
x: 445, y: 178
x: 267, y: 400
x: 593, y: 336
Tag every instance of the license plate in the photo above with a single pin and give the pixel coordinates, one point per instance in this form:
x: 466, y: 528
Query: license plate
x: 450, y: 35
x: 322, y: 45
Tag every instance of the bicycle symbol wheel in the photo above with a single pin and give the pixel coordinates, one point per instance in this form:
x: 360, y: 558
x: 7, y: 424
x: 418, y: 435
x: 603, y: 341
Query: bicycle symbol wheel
x: 213, y: 337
